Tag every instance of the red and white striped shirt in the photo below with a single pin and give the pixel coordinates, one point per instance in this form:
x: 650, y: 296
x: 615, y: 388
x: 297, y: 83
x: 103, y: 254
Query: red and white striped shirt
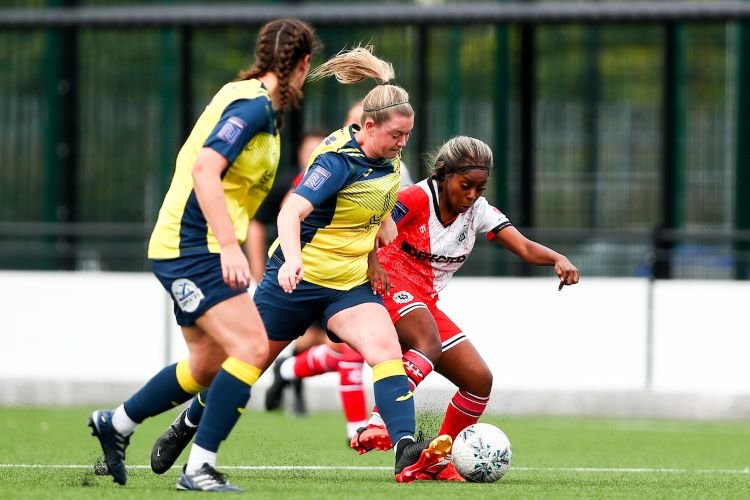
x: 426, y: 252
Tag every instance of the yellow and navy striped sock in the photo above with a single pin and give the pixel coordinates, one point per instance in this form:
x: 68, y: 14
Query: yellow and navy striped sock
x: 172, y: 386
x: 394, y: 399
x: 197, y: 405
x: 226, y: 401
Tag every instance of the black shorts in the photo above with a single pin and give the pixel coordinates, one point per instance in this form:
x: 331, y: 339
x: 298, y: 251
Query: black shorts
x: 195, y: 283
x: 286, y: 316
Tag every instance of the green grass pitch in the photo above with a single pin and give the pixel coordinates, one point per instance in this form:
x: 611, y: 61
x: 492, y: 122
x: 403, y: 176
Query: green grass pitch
x: 48, y: 452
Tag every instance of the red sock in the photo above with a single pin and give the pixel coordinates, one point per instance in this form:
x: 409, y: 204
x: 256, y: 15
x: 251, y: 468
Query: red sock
x: 464, y: 410
x: 349, y: 354
x: 417, y: 367
x: 316, y: 360
x: 352, y: 392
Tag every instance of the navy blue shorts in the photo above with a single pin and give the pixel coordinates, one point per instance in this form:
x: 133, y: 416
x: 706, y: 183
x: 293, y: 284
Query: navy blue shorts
x: 286, y: 316
x: 195, y: 284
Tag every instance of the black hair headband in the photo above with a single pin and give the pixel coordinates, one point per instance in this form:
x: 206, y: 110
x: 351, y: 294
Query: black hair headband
x: 460, y: 170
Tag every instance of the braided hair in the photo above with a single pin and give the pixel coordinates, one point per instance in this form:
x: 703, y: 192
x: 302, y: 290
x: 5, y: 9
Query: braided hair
x: 281, y: 45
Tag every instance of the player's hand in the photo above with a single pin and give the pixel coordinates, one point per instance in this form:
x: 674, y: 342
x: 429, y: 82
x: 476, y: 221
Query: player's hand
x: 379, y: 281
x: 567, y: 272
x: 290, y: 274
x: 234, y: 267
x: 387, y: 232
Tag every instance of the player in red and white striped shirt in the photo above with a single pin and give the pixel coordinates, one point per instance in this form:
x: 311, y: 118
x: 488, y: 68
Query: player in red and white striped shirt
x: 438, y: 220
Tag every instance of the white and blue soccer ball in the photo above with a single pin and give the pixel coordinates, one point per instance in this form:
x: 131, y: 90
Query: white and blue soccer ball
x: 482, y: 453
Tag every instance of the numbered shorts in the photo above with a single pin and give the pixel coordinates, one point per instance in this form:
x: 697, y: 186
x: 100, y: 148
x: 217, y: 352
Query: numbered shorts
x: 195, y: 284
x: 404, y: 299
x: 286, y: 316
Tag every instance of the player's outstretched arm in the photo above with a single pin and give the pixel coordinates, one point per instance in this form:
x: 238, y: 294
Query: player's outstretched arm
x: 535, y: 253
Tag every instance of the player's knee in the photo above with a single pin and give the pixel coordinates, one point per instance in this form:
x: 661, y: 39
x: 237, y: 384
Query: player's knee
x: 261, y: 353
x: 375, y: 353
x: 255, y: 353
x: 433, y: 352
x: 481, y: 383
x: 251, y: 347
x: 430, y: 346
x: 484, y: 381
x: 203, y: 370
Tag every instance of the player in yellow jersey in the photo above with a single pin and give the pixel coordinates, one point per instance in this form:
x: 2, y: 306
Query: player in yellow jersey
x: 223, y: 172
x: 316, y: 354
x: 318, y: 267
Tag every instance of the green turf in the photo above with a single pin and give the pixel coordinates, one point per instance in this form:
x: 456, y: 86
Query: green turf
x: 552, y: 458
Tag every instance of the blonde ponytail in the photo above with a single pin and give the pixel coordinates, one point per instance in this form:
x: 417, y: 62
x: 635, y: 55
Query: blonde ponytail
x: 354, y: 65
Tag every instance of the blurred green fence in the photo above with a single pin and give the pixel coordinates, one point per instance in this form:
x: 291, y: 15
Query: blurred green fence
x: 620, y: 132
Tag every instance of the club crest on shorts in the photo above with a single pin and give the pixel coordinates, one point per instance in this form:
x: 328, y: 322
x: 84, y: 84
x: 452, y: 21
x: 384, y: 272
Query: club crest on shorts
x: 187, y: 295
x: 402, y: 297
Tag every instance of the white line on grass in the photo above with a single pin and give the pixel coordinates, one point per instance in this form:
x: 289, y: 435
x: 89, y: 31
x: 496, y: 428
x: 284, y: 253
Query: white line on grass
x: 746, y: 470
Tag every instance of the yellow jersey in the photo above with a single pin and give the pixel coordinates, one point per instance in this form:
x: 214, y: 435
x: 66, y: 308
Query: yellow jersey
x: 240, y: 124
x: 351, y: 195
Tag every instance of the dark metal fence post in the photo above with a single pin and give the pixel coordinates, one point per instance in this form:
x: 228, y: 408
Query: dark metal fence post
x: 171, y: 81
x: 501, y: 100
x: 527, y: 92
x: 453, y: 84
x: 673, y: 146
x: 422, y: 54
x: 185, y: 90
x: 742, y: 172
x: 60, y: 192
x: 591, y: 103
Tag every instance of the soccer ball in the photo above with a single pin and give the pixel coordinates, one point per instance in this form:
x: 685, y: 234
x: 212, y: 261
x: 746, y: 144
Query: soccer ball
x: 481, y: 453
